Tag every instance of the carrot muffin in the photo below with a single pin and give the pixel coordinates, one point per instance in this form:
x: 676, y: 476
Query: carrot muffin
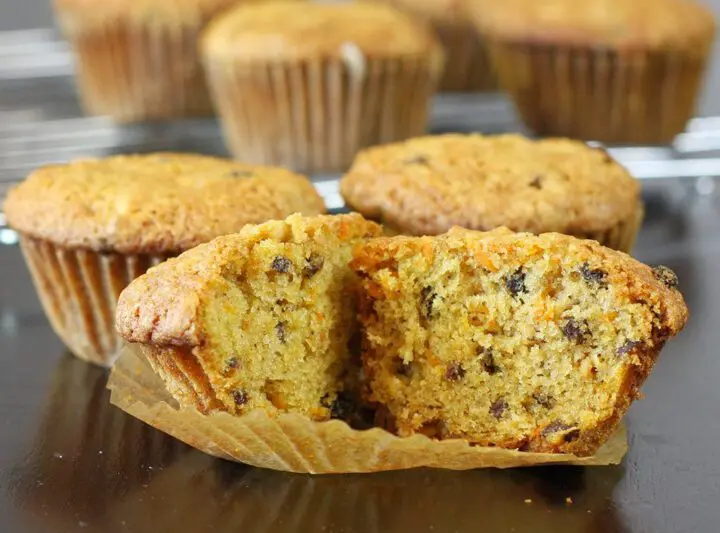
x: 427, y: 185
x: 537, y: 343
x: 90, y: 227
x: 614, y: 70
x: 262, y: 319
x: 467, y: 63
x: 307, y: 85
x: 137, y: 59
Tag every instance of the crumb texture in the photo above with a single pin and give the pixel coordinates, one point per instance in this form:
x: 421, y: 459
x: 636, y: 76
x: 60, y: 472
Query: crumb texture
x: 159, y: 203
x: 537, y: 343
x: 261, y: 319
x: 427, y: 185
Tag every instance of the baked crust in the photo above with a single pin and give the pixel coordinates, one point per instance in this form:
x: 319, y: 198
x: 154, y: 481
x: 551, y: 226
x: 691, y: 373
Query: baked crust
x: 153, y: 204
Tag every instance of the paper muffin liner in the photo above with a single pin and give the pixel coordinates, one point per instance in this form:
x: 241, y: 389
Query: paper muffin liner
x: 134, y: 72
x: 315, y: 115
x: 86, y: 453
x: 622, y: 236
x: 79, y: 290
x: 291, y: 442
x: 601, y: 94
x: 467, y: 61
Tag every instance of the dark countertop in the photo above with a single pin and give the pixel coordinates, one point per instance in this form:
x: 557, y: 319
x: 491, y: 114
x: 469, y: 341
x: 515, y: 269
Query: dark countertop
x: 70, y: 462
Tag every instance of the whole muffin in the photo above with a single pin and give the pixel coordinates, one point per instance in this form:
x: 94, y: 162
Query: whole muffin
x: 467, y: 62
x: 611, y: 70
x: 90, y: 227
x: 307, y: 85
x: 137, y: 59
x: 425, y: 186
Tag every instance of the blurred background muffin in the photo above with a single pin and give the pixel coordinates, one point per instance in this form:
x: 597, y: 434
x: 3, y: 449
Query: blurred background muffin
x: 88, y: 228
x: 307, y: 85
x: 619, y: 71
x: 137, y: 59
x: 467, y: 63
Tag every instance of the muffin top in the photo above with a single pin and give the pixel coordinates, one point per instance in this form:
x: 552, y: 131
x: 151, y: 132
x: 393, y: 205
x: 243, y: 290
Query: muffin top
x: 435, y: 10
x: 429, y: 184
x: 617, y: 23
x: 159, y: 203
x: 292, y: 31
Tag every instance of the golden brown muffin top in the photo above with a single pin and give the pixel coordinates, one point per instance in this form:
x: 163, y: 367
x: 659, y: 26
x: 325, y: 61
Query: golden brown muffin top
x: 159, y: 203
x: 162, y: 306
x: 350, y: 31
x: 429, y: 184
x: 435, y: 10
x: 617, y: 23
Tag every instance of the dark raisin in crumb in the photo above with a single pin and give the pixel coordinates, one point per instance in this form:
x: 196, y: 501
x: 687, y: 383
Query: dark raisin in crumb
x: 280, y: 332
x: 241, y: 397
x: 401, y: 367
x: 281, y: 264
x: 342, y: 406
x: 313, y: 265
x: 667, y: 276
x: 427, y: 297
x: 416, y: 160
x: 556, y: 426
x: 454, y: 372
x: 487, y: 360
x: 241, y: 173
x: 571, y: 435
x: 545, y: 400
x: 593, y: 275
x: 576, y: 331
x: 232, y: 363
x: 628, y: 347
x: 515, y: 283
x: 536, y: 183
x: 497, y: 409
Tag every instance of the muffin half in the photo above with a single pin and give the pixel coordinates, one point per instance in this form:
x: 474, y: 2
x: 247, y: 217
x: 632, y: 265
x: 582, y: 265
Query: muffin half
x: 90, y: 227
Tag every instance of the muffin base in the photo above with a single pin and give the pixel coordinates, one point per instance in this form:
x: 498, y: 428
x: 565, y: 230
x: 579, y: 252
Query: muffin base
x: 136, y: 73
x: 604, y: 95
x: 79, y: 290
x: 467, y: 61
x: 293, y: 443
x: 314, y: 116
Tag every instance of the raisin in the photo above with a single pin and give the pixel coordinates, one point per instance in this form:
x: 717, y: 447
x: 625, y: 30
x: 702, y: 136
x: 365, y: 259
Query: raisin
x: 515, y: 283
x: 282, y: 264
x: 454, y: 372
x: 667, y: 276
x: 497, y: 409
x: 241, y: 397
x: 558, y: 426
x: 401, y: 367
x: 536, y: 183
x: 593, y: 275
x: 313, y: 265
x: 342, y: 406
x: 416, y: 160
x: 572, y: 435
x: 280, y: 332
x: 576, y: 331
x: 427, y: 300
x: 241, y: 173
x: 487, y: 360
x: 628, y: 347
x: 545, y: 400
x: 232, y: 363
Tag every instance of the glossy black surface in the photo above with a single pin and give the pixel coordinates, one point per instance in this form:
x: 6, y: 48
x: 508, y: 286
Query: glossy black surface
x: 69, y: 461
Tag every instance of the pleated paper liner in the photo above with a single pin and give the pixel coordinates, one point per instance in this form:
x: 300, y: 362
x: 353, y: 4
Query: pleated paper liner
x: 622, y: 236
x: 79, y: 290
x: 136, y: 72
x: 467, y: 61
x: 315, y: 115
x: 294, y: 443
x: 601, y: 94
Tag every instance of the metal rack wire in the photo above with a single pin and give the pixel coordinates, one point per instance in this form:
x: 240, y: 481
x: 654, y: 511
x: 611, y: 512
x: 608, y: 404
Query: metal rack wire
x: 41, y: 123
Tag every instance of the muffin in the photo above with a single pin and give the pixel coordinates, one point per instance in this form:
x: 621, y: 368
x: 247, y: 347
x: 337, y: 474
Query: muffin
x: 90, y: 227
x: 536, y: 343
x: 616, y: 71
x: 137, y: 60
x: 263, y: 319
x: 427, y: 185
x: 467, y: 63
x: 307, y: 85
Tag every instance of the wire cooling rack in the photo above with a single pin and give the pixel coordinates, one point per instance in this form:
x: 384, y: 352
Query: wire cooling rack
x: 41, y: 123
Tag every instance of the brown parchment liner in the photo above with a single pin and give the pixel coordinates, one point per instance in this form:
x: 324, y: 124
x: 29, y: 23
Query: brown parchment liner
x: 134, y: 71
x: 622, y: 236
x: 467, y: 61
x: 624, y: 97
x: 315, y: 115
x: 293, y: 443
x: 79, y: 290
